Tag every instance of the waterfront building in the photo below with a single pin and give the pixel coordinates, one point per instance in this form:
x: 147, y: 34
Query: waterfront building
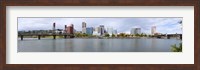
x: 83, y: 27
x: 102, y: 30
x: 58, y: 31
x: 94, y: 29
x: 89, y: 30
x: 70, y: 29
x: 110, y: 31
x: 153, y: 30
x: 115, y: 32
x: 99, y: 29
x: 96, y: 33
x: 65, y: 30
x: 135, y: 31
x: 54, y: 28
x: 83, y: 30
x: 138, y: 31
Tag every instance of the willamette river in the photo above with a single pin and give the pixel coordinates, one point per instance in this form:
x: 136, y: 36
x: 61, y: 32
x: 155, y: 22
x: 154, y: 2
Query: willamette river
x: 96, y: 45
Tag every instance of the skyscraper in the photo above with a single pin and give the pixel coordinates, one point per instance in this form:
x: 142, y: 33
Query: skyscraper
x: 65, y: 29
x: 83, y: 27
x: 102, y: 30
x: 153, y: 30
x: 54, y: 28
x: 96, y: 31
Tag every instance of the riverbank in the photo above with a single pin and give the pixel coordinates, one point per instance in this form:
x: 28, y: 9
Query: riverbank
x: 101, y: 38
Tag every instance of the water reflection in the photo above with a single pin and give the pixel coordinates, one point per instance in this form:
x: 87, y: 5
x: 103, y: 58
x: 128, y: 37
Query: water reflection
x: 96, y: 45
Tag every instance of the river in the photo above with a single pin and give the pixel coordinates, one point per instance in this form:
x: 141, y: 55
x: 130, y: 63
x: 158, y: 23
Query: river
x: 96, y: 45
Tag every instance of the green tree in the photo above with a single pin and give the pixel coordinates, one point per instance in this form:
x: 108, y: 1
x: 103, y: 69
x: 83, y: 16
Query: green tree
x: 118, y: 35
x: 141, y: 35
x: 137, y: 35
x: 78, y: 34
x: 85, y: 35
x: 113, y: 35
x: 107, y: 35
x: 145, y: 35
x: 175, y: 48
x: 122, y: 34
x: 128, y: 35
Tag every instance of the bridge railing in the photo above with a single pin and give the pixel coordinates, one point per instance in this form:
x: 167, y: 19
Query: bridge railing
x: 65, y: 35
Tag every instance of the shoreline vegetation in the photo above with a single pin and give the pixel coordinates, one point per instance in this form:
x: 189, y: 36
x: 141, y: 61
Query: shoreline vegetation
x: 176, y: 48
x: 61, y: 37
x: 105, y: 36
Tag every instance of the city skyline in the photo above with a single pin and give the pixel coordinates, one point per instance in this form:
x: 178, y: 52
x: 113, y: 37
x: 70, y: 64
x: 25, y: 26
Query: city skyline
x: 122, y: 25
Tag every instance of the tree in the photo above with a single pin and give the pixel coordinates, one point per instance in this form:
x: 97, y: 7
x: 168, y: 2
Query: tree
x: 85, y: 35
x: 175, y: 48
x: 122, y: 34
x: 145, y: 35
x: 141, y: 35
x: 132, y: 35
x: 118, y: 35
x: 127, y: 35
x: 137, y: 35
x: 113, y: 35
x: 107, y: 35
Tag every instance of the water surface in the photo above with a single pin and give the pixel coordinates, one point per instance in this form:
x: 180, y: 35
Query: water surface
x: 96, y: 45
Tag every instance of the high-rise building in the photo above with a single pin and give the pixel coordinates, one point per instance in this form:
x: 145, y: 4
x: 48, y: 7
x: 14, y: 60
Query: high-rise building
x: 89, y: 30
x: 83, y: 27
x: 115, y: 32
x: 54, y: 28
x: 83, y: 30
x: 135, y: 31
x: 99, y: 29
x: 102, y: 30
x: 138, y: 31
x: 65, y: 31
x: 110, y: 31
x: 96, y: 31
x: 70, y: 29
x: 153, y: 30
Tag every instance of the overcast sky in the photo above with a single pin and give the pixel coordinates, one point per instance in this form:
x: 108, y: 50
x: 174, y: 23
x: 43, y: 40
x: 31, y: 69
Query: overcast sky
x: 163, y: 25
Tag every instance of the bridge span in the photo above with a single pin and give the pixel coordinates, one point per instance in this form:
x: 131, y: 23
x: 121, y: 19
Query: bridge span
x: 39, y: 36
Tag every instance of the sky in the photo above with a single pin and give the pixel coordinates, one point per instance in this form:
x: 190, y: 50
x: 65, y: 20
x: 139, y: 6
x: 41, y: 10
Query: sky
x: 122, y: 25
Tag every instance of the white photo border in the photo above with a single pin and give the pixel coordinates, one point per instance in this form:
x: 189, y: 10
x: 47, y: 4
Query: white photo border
x: 184, y: 57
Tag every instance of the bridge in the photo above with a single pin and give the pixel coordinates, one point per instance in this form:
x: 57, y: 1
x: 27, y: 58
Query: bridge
x: 65, y: 35
x: 168, y: 36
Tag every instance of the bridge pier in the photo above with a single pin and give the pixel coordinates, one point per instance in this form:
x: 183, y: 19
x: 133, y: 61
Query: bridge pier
x: 39, y: 37
x: 54, y: 36
x: 181, y: 37
x: 168, y: 37
x: 65, y: 36
x: 21, y: 37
